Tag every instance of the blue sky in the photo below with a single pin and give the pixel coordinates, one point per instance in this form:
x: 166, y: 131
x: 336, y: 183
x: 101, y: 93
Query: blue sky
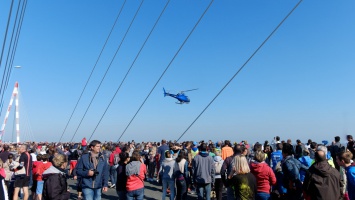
x: 300, y: 85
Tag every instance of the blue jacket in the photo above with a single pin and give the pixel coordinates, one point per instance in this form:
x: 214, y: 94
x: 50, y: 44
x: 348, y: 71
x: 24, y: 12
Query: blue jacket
x: 307, y: 161
x: 350, y: 175
x: 96, y: 181
x: 291, y: 170
x: 275, y: 158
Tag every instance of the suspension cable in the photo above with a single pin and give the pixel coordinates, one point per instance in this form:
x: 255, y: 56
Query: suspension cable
x: 161, y: 76
x: 108, y: 68
x: 92, y: 71
x: 24, y: 5
x: 151, y: 31
x: 240, y: 69
x: 5, y: 36
x: 9, y: 67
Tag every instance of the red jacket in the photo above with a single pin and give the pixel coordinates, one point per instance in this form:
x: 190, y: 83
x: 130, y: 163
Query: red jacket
x: 135, y: 182
x: 38, y: 167
x: 264, y: 176
x: 112, y: 155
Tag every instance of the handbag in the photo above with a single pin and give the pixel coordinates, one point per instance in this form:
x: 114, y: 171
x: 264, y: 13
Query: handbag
x: 213, y: 194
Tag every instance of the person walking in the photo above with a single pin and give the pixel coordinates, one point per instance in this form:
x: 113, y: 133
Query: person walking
x: 121, y: 180
x: 203, y: 173
x: 93, y: 169
x: 22, y: 172
x: 113, y: 161
x: 135, y: 171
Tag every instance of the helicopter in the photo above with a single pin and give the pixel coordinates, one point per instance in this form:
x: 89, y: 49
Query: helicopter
x: 181, y: 97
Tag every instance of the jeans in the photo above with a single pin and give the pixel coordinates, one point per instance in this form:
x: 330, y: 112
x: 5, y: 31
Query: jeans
x: 171, y: 184
x: 181, y: 187
x: 113, y: 174
x: 262, y: 196
x: 122, y: 195
x: 92, y: 194
x: 203, y: 190
x: 135, y: 194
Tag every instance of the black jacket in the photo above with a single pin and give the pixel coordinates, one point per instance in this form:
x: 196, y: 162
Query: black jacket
x: 323, y: 182
x: 55, y: 185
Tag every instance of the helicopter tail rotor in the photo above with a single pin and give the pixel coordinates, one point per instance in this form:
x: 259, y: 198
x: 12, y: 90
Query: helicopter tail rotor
x: 164, y: 92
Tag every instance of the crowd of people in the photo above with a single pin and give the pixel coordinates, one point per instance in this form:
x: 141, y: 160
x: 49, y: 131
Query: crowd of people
x: 275, y: 170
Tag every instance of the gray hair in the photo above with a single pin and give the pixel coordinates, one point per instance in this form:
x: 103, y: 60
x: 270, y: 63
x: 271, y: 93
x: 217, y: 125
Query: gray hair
x: 324, y: 149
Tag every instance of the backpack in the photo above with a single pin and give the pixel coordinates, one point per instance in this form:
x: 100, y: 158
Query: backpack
x: 116, y: 159
x: 218, y: 166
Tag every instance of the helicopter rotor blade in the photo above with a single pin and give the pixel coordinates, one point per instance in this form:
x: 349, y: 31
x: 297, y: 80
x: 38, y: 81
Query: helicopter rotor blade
x: 190, y: 90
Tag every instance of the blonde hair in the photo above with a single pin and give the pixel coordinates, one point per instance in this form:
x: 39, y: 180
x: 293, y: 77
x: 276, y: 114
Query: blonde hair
x: 259, y: 156
x: 241, y: 164
x: 154, y: 150
x: 59, y: 160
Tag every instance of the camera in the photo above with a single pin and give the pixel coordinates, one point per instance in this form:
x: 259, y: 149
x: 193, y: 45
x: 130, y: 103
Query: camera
x: 95, y: 172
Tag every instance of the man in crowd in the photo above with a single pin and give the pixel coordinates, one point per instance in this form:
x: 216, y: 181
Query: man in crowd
x: 312, y: 150
x: 351, y: 144
x: 345, y: 160
x: 299, y: 149
x: 113, y: 161
x: 203, y: 173
x: 227, y: 168
x: 94, y: 171
x: 290, y: 168
x: 335, y: 149
x: 161, y: 151
x: 23, y: 173
x: 322, y: 181
x: 227, y: 150
x: 276, y: 156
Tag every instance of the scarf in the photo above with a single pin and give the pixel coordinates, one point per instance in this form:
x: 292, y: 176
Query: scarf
x: 94, y: 159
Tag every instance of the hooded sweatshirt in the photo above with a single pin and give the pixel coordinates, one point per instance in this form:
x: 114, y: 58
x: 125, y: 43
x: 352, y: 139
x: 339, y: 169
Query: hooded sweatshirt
x: 323, y: 182
x: 218, y: 161
x: 203, y: 168
x: 135, y: 172
x: 264, y: 176
x: 169, y: 168
x: 112, y: 156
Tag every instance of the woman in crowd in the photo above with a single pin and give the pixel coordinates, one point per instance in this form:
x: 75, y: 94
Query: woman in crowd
x: 263, y: 174
x: 243, y: 182
x: 181, y: 177
x: 9, y: 161
x: 151, y: 163
x: 167, y: 174
x: 135, y: 171
x: 218, y: 178
x: 121, y: 179
x: 55, y: 186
